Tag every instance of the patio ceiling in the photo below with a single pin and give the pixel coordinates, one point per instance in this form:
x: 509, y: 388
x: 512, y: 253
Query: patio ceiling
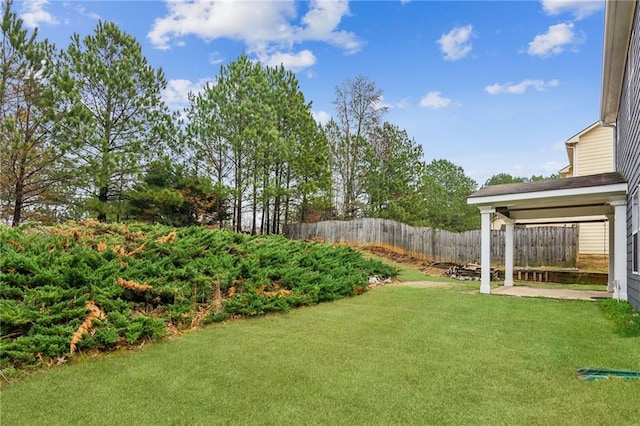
x: 553, y: 199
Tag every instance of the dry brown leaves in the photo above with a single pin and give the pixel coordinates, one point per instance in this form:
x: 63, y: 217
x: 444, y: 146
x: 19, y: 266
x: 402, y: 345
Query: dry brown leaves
x: 136, y: 251
x: 87, y: 324
x: 101, y: 246
x: 16, y: 245
x: 277, y: 291
x: 132, y: 285
x: 199, y: 317
x: 91, y: 223
x: 172, y: 329
x: 51, y: 362
x: 216, y: 298
x: 169, y: 238
x: 121, y: 251
x: 280, y: 293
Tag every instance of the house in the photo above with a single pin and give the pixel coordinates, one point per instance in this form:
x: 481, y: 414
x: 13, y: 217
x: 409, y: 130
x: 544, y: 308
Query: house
x: 590, y: 151
x: 620, y: 108
x: 615, y: 195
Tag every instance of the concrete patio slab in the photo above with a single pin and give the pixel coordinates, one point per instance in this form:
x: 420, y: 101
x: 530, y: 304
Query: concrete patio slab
x: 522, y: 291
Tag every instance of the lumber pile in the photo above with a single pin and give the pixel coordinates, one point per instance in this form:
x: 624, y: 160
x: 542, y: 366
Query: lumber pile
x: 464, y: 272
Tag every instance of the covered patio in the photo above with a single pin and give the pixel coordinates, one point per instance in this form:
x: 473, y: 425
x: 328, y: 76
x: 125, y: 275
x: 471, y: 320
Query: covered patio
x: 558, y: 201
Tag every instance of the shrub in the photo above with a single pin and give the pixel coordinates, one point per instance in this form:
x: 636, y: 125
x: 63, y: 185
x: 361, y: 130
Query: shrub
x: 111, y: 284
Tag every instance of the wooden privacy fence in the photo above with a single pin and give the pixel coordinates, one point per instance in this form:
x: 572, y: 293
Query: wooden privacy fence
x: 534, y: 246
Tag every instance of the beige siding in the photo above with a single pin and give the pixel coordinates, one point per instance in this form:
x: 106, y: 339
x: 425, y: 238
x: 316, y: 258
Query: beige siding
x: 594, y: 152
x: 593, y: 238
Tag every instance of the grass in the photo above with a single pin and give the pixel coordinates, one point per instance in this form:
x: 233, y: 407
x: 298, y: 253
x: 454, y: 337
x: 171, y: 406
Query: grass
x: 626, y: 320
x: 406, y: 272
x: 410, y: 273
x: 391, y: 356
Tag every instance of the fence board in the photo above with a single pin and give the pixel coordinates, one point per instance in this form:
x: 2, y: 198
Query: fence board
x: 535, y: 246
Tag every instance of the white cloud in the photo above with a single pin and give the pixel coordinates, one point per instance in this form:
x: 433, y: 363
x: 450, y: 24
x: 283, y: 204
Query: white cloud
x: 176, y: 94
x: 554, y: 40
x: 579, y: 8
x: 34, y: 15
x: 83, y: 11
x: 456, y: 43
x: 268, y: 28
x: 321, y: 22
x: 322, y: 117
x: 215, y: 58
x: 291, y: 61
x: 435, y: 100
x: 520, y: 88
x: 252, y: 22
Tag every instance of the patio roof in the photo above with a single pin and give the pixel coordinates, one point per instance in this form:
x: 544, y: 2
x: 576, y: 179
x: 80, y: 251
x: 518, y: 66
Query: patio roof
x: 582, y: 196
x: 555, y: 198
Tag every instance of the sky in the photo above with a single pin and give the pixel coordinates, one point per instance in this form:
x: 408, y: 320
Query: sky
x: 492, y: 86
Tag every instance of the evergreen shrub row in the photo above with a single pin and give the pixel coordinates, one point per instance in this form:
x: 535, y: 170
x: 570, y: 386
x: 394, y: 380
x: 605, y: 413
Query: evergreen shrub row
x: 86, y: 286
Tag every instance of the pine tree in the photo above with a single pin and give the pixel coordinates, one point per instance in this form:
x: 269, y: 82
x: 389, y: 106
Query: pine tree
x: 33, y: 173
x: 394, y: 166
x: 125, y: 124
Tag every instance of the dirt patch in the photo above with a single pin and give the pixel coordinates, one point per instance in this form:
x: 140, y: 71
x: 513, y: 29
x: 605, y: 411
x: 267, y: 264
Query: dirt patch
x: 398, y: 256
x: 593, y: 263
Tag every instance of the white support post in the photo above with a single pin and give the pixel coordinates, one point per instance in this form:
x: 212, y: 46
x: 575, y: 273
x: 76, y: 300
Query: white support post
x: 485, y: 249
x: 508, y: 253
x: 619, y: 205
x: 612, y: 252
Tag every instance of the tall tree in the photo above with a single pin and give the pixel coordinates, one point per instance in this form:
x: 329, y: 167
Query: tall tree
x: 32, y: 172
x: 254, y: 131
x: 311, y: 173
x: 359, y: 110
x: 394, y: 166
x: 125, y: 124
x: 234, y: 120
x: 298, y: 154
x: 502, y: 178
x: 445, y: 189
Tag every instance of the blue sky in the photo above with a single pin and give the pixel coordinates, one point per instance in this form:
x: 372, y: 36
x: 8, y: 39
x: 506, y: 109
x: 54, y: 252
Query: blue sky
x: 491, y: 86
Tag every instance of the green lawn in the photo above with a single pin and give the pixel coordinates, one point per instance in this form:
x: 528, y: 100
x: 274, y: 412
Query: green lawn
x: 408, y: 272
x: 394, y: 355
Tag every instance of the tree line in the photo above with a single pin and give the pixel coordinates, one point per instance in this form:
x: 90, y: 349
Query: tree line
x: 85, y: 133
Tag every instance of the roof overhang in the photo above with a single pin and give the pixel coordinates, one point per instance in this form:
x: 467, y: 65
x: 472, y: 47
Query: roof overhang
x: 560, y: 198
x: 576, y: 138
x: 619, y: 16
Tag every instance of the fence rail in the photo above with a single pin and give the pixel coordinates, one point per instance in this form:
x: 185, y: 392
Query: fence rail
x: 534, y: 246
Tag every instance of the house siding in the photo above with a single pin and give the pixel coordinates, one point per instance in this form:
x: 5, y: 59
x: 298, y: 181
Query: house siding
x: 591, y: 152
x: 628, y: 142
x: 593, y: 238
x: 594, y: 152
